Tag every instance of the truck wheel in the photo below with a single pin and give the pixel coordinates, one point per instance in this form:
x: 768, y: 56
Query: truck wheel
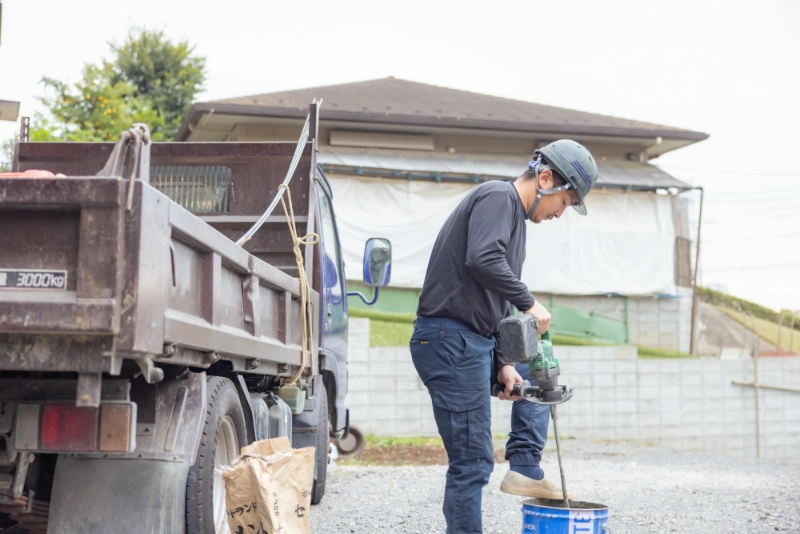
x: 323, y: 445
x: 224, y: 434
x: 352, y: 445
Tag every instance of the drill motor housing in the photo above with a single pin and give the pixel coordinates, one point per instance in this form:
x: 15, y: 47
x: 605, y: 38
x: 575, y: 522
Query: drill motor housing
x: 518, y: 342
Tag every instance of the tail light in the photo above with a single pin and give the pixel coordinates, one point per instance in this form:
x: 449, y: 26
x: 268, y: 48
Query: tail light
x: 66, y: 427
x: 115, y: 427
x: 69, y: 428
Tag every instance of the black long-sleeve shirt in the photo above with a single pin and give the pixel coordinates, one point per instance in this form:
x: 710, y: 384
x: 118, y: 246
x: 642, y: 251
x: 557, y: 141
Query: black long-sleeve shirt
x: 474, y: 270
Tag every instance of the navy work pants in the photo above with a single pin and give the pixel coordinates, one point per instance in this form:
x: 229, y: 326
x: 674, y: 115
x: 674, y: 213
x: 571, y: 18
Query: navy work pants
x: 456, y: 366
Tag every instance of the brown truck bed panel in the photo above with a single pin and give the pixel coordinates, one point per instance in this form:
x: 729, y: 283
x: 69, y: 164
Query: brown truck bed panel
x: 221, y: 300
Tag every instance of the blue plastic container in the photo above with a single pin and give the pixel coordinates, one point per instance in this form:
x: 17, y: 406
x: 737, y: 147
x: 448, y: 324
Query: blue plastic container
x: 545, y: 516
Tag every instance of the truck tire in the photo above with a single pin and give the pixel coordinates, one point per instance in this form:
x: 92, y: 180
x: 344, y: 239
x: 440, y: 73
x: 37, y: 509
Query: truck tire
x: 224, y: 434
x: 322, y: 446
x: 352, y: 445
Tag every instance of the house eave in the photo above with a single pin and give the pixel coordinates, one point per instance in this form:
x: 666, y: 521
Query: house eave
x: 202, y: 108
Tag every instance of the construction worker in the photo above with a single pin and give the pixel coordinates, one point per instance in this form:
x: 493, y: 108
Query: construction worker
x: 471, y: 284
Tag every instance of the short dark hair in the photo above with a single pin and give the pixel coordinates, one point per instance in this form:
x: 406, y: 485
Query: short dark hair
x: 558, y: 180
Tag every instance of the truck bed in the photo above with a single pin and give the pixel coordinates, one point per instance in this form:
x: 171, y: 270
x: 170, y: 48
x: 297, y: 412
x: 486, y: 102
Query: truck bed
x: 155, y: 283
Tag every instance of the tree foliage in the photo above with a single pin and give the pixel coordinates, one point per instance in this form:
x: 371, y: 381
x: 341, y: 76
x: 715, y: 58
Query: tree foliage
x: 150, y: 79
x: 167, y: 74
x: 7, y: 153
x: 94, y: 109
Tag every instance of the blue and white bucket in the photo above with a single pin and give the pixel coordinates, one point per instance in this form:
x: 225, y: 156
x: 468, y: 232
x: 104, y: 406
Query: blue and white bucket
x: 546, y: 516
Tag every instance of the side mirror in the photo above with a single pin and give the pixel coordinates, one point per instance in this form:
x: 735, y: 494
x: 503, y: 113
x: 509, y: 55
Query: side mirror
x: 377, y: 262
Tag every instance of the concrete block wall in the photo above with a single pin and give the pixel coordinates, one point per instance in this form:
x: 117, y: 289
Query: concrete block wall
x: 682, y: 404
x: 664, y: 323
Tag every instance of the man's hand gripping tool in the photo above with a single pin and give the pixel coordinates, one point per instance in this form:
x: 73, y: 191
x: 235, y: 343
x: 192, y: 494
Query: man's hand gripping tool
x: 518, y: 342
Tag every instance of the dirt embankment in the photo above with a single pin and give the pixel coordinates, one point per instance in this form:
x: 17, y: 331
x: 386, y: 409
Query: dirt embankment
x: 721, y: 335
x: 403, y: 454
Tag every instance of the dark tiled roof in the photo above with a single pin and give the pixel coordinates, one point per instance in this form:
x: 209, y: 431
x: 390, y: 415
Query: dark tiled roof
x: 392, y: 100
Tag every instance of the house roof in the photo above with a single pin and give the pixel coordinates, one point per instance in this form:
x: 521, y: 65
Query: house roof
x: 404, y: 164
x: 396, y: 101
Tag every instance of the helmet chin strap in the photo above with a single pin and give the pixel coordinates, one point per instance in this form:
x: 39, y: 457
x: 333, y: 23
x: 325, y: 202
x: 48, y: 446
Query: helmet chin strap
x: 534, y: 166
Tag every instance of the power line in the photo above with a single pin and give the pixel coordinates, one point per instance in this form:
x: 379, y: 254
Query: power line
x: 751, y: 212
x: 750, y: 220
x: 756, y: 193
x: 737, y: 172
x: 749, y: 238
x: 748, y: 199
x: 754, y: 206
x: 711, y: 197
x: 753, y: 267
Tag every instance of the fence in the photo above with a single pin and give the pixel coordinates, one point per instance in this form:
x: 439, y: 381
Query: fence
x: 676, y: 403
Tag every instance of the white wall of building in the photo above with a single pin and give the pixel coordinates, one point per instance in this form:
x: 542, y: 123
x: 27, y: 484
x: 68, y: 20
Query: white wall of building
x: 627, y: 246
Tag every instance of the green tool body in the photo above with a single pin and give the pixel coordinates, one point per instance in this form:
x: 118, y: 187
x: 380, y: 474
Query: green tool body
x: 518, y: 342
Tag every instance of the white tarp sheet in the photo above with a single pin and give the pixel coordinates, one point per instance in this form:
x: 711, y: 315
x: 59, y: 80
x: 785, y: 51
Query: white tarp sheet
x: 626, y: 245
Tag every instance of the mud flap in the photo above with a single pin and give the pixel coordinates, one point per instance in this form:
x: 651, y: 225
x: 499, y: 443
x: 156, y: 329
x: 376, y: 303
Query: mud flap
x: 97, y: 496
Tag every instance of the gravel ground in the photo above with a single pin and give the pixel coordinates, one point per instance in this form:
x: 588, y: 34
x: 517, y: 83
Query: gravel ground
x: 646, y: 489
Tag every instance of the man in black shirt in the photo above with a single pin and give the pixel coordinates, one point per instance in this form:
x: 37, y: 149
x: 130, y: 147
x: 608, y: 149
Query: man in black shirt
x: 472, y: 283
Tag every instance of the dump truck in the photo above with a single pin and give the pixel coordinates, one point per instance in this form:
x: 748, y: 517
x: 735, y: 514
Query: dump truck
x: 141, y: 347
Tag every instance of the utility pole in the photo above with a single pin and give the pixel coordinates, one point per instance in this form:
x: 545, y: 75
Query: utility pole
x: 695, y: 298
x: 755, y: 381
x: 756, y: 339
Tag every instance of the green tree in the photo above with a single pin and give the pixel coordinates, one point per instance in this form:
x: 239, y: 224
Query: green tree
x: 167, y: 73
x: 150, y: 79
x: 7, y: 154
x: 96, y: 108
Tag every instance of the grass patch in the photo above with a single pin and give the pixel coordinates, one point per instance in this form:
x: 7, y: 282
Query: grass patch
x: 389, y: 334
x: 766, y: 330
x: 387, y: 329
x: 397, y: 334
x: 385, y: 451
x: 570, y: 341
x: 395, y: 329
x: 649, y: 353
x: 373, y: 441
x: 383, y: 316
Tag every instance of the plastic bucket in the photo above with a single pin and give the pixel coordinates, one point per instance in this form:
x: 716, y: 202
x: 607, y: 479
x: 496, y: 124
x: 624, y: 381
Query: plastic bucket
x: 546, y: 516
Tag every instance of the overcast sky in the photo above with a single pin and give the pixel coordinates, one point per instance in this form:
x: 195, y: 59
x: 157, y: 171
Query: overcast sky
x: 727, y: 68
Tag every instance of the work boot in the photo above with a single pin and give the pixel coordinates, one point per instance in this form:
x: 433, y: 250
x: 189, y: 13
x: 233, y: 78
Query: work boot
x: 517, y: 484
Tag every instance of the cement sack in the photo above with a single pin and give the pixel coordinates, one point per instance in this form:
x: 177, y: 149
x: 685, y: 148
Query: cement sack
x: 268, y: 488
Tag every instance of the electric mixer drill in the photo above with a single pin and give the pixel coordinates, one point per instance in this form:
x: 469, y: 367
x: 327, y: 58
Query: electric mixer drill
x: 518, y: 342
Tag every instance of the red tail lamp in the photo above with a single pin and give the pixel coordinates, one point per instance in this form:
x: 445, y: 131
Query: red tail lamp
x: 66, y: 427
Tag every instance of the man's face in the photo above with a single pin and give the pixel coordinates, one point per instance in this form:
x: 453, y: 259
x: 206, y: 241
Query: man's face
x: 552, y: 206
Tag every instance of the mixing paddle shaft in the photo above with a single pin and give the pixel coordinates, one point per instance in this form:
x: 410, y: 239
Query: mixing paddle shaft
x: 554, y: 414
x: 518, y: 342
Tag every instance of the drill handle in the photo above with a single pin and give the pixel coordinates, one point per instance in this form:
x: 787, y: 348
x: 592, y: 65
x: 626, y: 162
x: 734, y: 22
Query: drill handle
x: 497, y: 388
x: 546, y: 336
